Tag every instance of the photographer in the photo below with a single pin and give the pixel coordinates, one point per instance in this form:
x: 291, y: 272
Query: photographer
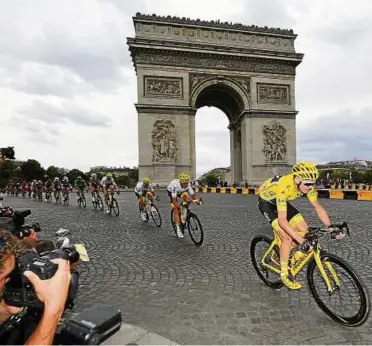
x: 52, y: 292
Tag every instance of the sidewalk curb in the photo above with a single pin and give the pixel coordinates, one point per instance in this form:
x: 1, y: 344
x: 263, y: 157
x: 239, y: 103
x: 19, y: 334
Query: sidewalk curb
x: 133, y: 335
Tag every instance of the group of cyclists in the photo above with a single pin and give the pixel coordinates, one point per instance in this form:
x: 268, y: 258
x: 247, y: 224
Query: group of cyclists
x: 273, y: 202
x: 36, y: 188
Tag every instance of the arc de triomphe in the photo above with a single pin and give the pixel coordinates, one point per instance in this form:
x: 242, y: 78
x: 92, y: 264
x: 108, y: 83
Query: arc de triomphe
x: 246, y: 71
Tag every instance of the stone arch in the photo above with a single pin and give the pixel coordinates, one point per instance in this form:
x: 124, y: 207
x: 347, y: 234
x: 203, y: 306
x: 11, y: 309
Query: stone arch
x: 221, y: 85
x: 246, y: 71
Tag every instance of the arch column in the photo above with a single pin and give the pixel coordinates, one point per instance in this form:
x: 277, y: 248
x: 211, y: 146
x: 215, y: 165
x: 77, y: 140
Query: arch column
x: 235, y: 153
x: 166, y: 142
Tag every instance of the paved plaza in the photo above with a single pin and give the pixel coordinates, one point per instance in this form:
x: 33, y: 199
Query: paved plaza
x: 206, y: 295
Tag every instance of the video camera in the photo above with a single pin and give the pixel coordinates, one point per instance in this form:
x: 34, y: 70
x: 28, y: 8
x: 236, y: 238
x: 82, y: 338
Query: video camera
x: 14, y: 222
x: 89, y: 327
x: 20, y: 292
x: 8, y: 153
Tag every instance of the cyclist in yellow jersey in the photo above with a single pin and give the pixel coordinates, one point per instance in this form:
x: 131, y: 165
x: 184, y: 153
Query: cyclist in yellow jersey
x: 285, y: 219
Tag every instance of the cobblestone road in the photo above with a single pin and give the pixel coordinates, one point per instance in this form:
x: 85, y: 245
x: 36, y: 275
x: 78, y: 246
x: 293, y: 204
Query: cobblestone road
x: 209, y: 294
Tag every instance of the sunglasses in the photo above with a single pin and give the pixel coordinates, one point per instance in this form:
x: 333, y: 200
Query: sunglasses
x: 308, y: 184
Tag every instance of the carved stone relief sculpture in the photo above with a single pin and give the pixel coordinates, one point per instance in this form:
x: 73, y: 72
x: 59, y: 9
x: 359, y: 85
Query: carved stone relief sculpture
x: 274, y: 142
x: 196, y: 79
x: 271, y: 93
x: 163, y: 87
x: 164, y: 141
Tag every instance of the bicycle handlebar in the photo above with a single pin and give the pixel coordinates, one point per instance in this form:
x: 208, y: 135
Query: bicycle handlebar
x: 333, y: 230
x: 193, y: 201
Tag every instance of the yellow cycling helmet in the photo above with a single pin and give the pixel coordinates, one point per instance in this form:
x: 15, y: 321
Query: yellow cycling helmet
x: 109, y: 175
x: 306, y: 171
x: 184, y: 178
x: 146, y: 181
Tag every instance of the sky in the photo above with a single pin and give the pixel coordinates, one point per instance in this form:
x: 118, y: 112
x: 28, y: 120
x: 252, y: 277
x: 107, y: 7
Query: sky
x: 68, y: 87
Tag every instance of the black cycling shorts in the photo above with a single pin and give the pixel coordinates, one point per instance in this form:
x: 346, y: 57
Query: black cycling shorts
x: 170, y: 195
x: 140, y: 195
x: 270, y: 212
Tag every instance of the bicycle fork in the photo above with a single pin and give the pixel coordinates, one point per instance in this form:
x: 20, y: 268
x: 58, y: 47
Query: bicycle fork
x: 265, y: 261
x: 319, y: 263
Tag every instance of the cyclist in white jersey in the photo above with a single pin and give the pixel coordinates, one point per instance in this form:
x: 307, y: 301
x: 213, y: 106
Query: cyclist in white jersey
x: 144, y: 189
x: 107, y: 182
x: 182, y: 188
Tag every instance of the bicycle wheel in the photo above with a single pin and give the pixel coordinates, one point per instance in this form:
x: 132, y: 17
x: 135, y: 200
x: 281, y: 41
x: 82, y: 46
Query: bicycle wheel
x: 66, y: 200
x: 99, y: 202
x: 79, y: 202
x: 84, y: 201
x: 270, y: 278
x: 115, y: 206
x: 155, y: 215
x: 145, y: 213
x: 330, y: 263
x: 195, y: 228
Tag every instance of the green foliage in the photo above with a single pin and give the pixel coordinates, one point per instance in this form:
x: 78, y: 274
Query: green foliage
x: 54, y: 171
x: 7, y: 172
x: 74, y: 173
x: 133, y: 175
x: 210, y: 179
x: 358, y: 177
x: 31, y: 169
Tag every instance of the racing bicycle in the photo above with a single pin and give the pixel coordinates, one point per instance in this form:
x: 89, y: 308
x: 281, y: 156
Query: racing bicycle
x: 328, y: 275
x: 190, y: 221
x: 97, y: 200
x: 112, y: 202
x: 81, y: 201
x: 149, y: 208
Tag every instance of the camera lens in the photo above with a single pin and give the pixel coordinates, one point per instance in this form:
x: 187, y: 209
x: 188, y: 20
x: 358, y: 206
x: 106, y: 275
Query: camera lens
x: 67, y: 253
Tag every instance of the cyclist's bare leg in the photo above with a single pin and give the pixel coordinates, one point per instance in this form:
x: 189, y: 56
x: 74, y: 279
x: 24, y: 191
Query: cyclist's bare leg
x: 286, y: 244
x: 285, y: 250
x: 150, y: 196
x: 141, y: 202
x: 176, y: 216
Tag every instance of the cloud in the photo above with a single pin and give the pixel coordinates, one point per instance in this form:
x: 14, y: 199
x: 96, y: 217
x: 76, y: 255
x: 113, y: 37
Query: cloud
x: 52, y: 114
x: 212, y: 140
x: 340, y: 135
x: 89, y: 46
x: 45, y: 80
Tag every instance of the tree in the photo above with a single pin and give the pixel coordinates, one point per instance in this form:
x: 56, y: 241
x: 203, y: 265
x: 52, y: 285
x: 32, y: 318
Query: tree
x: 210, y: 179
x: 7, y: 172
x: 123, y: 180
x: 74, y: 173
x: 133, y: 175
x: 31, y: 169
x: 357, y: 176
x: 53, y: 172
x: 368, y: 176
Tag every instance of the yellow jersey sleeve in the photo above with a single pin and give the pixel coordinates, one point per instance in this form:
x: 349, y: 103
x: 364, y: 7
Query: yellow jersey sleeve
x: 281, y: 198
x: 312, y: 195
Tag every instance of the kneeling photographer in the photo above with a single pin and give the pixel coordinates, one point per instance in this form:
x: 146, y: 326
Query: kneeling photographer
x: 52, y: 293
